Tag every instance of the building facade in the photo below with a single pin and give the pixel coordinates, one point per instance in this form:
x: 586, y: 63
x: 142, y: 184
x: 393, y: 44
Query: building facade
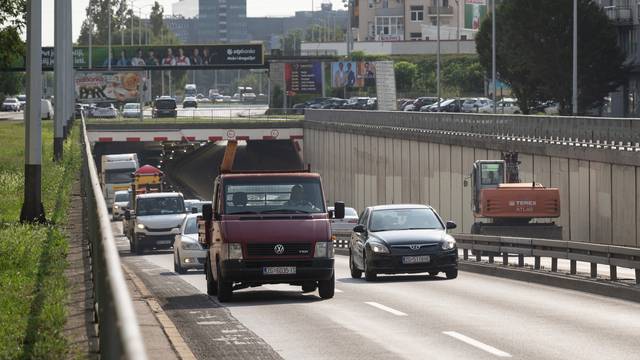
x: 625, y: 15
x: 402, y: 20
x: 222, y: 21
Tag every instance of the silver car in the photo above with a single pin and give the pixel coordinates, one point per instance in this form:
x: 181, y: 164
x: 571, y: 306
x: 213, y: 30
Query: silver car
x: 342, y: 228
x: 120, y: 204
x: 190, y: 204
x: 187, y: 251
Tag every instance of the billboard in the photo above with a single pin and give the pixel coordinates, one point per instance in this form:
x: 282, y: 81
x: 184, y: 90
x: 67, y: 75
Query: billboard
x: 353, y: 74
x: 304, y: 78
x: 474, y: 12
x: 165, y: 56
x: 109, y: 86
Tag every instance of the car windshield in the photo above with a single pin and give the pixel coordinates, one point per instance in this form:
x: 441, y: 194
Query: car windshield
x: 122, y: 197
x: 131, y: 107
x: 11, y: 100
x: 165, y: 104
x: 191, y: 226
x: 160, y: 206
x: 404, y: 219
x: 277, y: 195
x: 118, y: 176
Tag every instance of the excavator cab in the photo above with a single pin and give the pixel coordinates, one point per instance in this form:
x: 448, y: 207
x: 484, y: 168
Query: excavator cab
x: 487, y: 174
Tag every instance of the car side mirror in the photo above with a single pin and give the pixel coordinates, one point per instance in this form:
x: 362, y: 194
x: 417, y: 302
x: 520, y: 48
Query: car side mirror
x: 338, y: 212
x: 359, y: 229
x: 207, y: 212
x: 451, y: 225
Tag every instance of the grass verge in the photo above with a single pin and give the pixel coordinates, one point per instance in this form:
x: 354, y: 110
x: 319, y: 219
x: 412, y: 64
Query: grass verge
x: 33, y: 257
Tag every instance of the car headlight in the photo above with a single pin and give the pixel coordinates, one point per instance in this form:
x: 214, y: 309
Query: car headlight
x: 234, y: 251
x: 187, y: 245
x: 379, y: 248
x: 324, y: 249
x: 116, y: 207
x: 448, y: 244
x: 141, y: 226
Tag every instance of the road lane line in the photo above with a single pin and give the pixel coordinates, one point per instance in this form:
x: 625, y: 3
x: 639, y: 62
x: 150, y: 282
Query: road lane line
x: 477, y: 344
x: 338, y: 290
x: 385, y: 308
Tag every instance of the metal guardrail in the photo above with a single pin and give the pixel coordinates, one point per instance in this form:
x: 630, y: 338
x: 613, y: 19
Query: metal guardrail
x: 594, y: 254
x: 591, y: 132
x: 118, y: 330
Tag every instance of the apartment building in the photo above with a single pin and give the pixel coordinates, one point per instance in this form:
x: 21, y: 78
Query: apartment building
x: 222, y: 21
x: 401, y: 20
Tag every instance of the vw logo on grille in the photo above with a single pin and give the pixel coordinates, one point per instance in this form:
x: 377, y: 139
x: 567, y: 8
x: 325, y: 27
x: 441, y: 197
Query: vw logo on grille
x: 414, y: 247
x: 279, y: 249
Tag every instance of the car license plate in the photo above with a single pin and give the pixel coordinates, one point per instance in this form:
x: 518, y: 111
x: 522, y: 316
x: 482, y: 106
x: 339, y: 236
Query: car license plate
x: 163, y: 242
x: 415, y: 259
x: 279, y: 270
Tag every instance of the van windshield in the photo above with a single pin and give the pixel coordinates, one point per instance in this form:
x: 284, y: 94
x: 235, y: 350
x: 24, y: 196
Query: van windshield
x: 160, y: 206
x: 281, y: 195
x: 118, y: 176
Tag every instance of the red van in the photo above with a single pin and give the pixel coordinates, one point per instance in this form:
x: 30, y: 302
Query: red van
x: 268, y: 228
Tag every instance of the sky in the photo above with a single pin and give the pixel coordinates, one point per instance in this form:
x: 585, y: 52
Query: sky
x: 254, y: 8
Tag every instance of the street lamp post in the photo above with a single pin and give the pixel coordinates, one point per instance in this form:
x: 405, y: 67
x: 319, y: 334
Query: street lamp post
x: 438, y: 52
x: 32, y: 209
x: 493, y: 53
x: 109, y: 38
x: 575, y: 58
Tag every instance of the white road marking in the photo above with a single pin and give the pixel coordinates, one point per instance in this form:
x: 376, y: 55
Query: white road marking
x: 338, y: 290
x: 210, y: 322
x: 476, y: 343
x: 385, y: 308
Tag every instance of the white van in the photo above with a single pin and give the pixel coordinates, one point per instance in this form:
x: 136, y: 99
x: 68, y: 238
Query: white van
x: 115, y: 174
x: 46, y: 108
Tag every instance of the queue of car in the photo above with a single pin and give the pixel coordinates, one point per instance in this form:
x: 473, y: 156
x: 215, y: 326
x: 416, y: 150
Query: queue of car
x: 353, y: 103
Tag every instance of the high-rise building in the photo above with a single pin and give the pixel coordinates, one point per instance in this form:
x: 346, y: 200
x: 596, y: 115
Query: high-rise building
x: 222, y: 21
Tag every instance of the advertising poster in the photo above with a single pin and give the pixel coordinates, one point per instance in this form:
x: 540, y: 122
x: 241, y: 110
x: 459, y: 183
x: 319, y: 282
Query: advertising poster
x: 170, y: 56
x: 353, y: 74
x: 474, y: 12
x: 304, y: 78
x: 108, y: 86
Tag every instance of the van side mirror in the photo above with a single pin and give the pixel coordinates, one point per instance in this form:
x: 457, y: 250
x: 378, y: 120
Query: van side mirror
x: 338, y: 210
x: 207, y: 212
x: 451, y: 225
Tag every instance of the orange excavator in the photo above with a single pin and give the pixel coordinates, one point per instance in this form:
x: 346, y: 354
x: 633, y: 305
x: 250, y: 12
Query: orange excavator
x: 510, y: 207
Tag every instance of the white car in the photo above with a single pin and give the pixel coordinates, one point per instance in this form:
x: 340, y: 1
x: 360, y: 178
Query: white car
x: 342, y: 228
x: 11, y: 104
x: 105, y: 111
x: 187, y: 251
x: 120, y: 204
x: 46, y: 109
x: 505, y: 106
x: 131, y: 110
x: 472, y: 105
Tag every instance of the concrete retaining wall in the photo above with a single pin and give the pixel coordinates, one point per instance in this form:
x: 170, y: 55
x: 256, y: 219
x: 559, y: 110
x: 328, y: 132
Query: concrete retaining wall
x: 600, y: 200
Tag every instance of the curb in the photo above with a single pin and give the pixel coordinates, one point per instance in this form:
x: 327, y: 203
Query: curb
x: 177, y: 341
x: 559, y: 280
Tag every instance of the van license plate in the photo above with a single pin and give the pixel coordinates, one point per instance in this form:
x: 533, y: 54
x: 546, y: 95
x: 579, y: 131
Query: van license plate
x: 415, y: 259
x: 279, y: 270
x: 163, y: 242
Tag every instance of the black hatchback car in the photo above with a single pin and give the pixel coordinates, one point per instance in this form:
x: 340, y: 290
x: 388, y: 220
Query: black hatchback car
x: 402, y: 239
x: 165, y: 106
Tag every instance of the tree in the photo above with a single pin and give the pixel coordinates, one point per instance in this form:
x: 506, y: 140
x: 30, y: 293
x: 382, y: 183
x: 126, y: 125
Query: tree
x: 156, y: 19
x: 12, y: 23
x: 405, y: 75
x: 534, y: 52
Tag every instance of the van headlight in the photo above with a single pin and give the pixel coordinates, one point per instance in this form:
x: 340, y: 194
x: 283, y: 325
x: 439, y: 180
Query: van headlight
x: 233, y: 251
x: 448, y: 243
x: 141, y: 226
x: 324, y: 249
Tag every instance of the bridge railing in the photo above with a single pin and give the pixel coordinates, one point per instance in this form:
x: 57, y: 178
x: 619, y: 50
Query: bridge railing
x: 585, y: 131
x: 118, y: 330
x: 492, y: 246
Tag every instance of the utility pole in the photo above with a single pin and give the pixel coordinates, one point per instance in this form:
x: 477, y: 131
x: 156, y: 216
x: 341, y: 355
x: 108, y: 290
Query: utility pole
x: 438, y: 52
x: 59, y: 78
x: 90, y: 46
x: 109, y: 39
x: 575, y: 58
x: 458, y: 26
x: 131, y: 13
x: 32, y: 209
x: 493, y: 53
x: 139, y: 27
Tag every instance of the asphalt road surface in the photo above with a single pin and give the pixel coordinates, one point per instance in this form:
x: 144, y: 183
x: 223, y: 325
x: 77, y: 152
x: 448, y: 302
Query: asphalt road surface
x: 11, y: 115
x: 397, y: 317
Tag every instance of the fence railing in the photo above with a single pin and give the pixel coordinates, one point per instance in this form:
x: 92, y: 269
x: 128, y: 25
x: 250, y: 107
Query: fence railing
x: 594, y: 254
x: 118, y: 330
x: 616, y: 133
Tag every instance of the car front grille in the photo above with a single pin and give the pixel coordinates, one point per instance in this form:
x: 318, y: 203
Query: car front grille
x: 159, y: 229
x: 290, y: 249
